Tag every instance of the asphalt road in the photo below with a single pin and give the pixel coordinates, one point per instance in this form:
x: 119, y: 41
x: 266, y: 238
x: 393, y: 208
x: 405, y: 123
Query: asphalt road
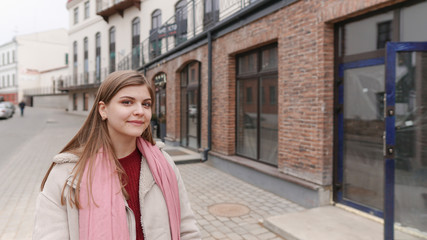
x: 16, y: 131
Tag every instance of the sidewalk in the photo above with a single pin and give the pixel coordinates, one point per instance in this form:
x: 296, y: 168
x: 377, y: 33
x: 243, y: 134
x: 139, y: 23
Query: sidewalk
x: 322, y: 223
x: 225, y: 207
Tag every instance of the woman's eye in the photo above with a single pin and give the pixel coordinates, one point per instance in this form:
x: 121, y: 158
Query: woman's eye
x: 147, y: 104
x: 126, y: 102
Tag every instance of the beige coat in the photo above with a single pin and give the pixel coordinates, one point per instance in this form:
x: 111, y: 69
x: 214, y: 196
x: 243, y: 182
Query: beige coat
x: 55, y: 221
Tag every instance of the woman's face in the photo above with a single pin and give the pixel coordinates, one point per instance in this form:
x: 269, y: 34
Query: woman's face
x: 128, y: 113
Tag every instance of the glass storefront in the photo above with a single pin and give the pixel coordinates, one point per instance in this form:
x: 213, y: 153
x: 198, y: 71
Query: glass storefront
x: 372, y: 153
x: 190, y: 106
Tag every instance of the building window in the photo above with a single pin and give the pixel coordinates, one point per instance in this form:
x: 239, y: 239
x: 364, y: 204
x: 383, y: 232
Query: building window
x: 181, y: 22
x: 74, y: 101
x: 155, y: 39
x: 8, y: 80
x: 135, y: 43
x: 13, y: 56
x: 76, y: 15
x: 256, y: 118
x: 98, y: 57
x: 211, y: 13
x: 85, y: 101
x: 75, y: 70
x: 384, y: 33
x: 86, y: 60
x: 112, y: 39
x: 13, y: 80
x: 8, y: 58
x: 87, y: 10
x: 190, y: 105
x: 156, y: 19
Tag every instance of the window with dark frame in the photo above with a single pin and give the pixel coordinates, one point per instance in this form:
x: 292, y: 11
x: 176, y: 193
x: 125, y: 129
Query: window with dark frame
x: 98, y: 57
x: 211, y: 13
x: 112, y: 49
x: 385, y: 31
x: 75, y: 64
x: 257, y: 109
x: 135, y: 43
x: 156, y: 19
x: 74, y: 101
x: 86, y: 60
x: 155, y: 40
x: 85, y: 101
x: 181, y: 22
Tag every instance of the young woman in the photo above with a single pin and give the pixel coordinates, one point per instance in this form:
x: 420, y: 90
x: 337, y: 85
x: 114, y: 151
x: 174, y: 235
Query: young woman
x: 111, y: 181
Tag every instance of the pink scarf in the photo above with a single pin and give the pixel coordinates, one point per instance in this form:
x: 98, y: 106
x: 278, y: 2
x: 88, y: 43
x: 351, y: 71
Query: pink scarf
x: 107, y: 220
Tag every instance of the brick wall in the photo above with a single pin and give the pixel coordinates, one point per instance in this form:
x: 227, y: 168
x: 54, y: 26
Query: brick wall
x: 304, y: 32
x: 172, y: 70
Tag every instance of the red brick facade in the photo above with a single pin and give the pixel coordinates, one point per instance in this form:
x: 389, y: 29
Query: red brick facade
x: 304, y: 33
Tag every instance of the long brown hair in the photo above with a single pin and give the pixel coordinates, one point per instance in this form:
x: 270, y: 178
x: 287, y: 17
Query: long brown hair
x: 94, y: 135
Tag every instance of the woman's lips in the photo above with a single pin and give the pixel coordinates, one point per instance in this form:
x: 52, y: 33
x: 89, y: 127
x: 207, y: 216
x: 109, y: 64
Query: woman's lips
x: 135, y: 122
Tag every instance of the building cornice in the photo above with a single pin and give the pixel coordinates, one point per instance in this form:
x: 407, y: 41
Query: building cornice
x: 84, y: 25
x: 73, y: 3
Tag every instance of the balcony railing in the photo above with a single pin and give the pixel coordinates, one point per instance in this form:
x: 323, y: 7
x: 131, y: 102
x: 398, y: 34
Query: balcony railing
x: 187, y: 23
x: 84, y: 80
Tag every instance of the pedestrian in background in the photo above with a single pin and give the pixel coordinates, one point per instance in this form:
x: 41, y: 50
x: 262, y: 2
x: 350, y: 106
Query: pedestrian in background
x: 111, y: 181
x: 22, y: 106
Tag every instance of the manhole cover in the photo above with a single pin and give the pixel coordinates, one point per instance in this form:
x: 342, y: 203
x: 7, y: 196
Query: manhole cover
x: 228, y: 210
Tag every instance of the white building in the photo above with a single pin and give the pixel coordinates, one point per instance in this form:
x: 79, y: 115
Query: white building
x: 108, y: 35
x: 8, y: 72
x: 25, y: 57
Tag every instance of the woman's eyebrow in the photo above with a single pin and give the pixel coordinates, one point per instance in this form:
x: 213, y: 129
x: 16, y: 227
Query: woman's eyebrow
x: 129, y: 97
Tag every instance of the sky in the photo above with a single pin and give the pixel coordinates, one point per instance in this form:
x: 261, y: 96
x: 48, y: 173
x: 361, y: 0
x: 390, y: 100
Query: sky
x: 18, y: 17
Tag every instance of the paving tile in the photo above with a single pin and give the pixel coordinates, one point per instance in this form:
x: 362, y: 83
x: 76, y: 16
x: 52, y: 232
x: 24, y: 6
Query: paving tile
x: 206, y: 185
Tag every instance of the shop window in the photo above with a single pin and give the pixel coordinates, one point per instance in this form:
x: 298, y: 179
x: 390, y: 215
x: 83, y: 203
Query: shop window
x: 256, y: 118
x: 369, y: 28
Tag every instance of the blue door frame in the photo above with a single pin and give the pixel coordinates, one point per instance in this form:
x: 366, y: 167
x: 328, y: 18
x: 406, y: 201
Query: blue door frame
x: 340, y: 172
x: 392, y: 49
x: 389, y: 163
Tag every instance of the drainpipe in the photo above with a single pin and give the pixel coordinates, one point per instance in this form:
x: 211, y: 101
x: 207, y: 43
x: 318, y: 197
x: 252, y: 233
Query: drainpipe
x: 206, y: 150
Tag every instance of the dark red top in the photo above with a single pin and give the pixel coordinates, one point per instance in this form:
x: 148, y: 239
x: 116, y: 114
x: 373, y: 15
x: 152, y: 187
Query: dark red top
x: 132, y: 166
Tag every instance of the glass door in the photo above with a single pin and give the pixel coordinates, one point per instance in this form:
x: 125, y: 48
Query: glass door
x: 190, y: 106
x: 360, y: 135
x: 406, y: 137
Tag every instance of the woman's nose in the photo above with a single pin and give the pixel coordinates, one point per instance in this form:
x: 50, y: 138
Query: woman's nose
x: 139, y: 110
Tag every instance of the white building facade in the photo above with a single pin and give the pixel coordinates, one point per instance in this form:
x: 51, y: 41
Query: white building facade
x: 24, y: 59
x: 8, y: 72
